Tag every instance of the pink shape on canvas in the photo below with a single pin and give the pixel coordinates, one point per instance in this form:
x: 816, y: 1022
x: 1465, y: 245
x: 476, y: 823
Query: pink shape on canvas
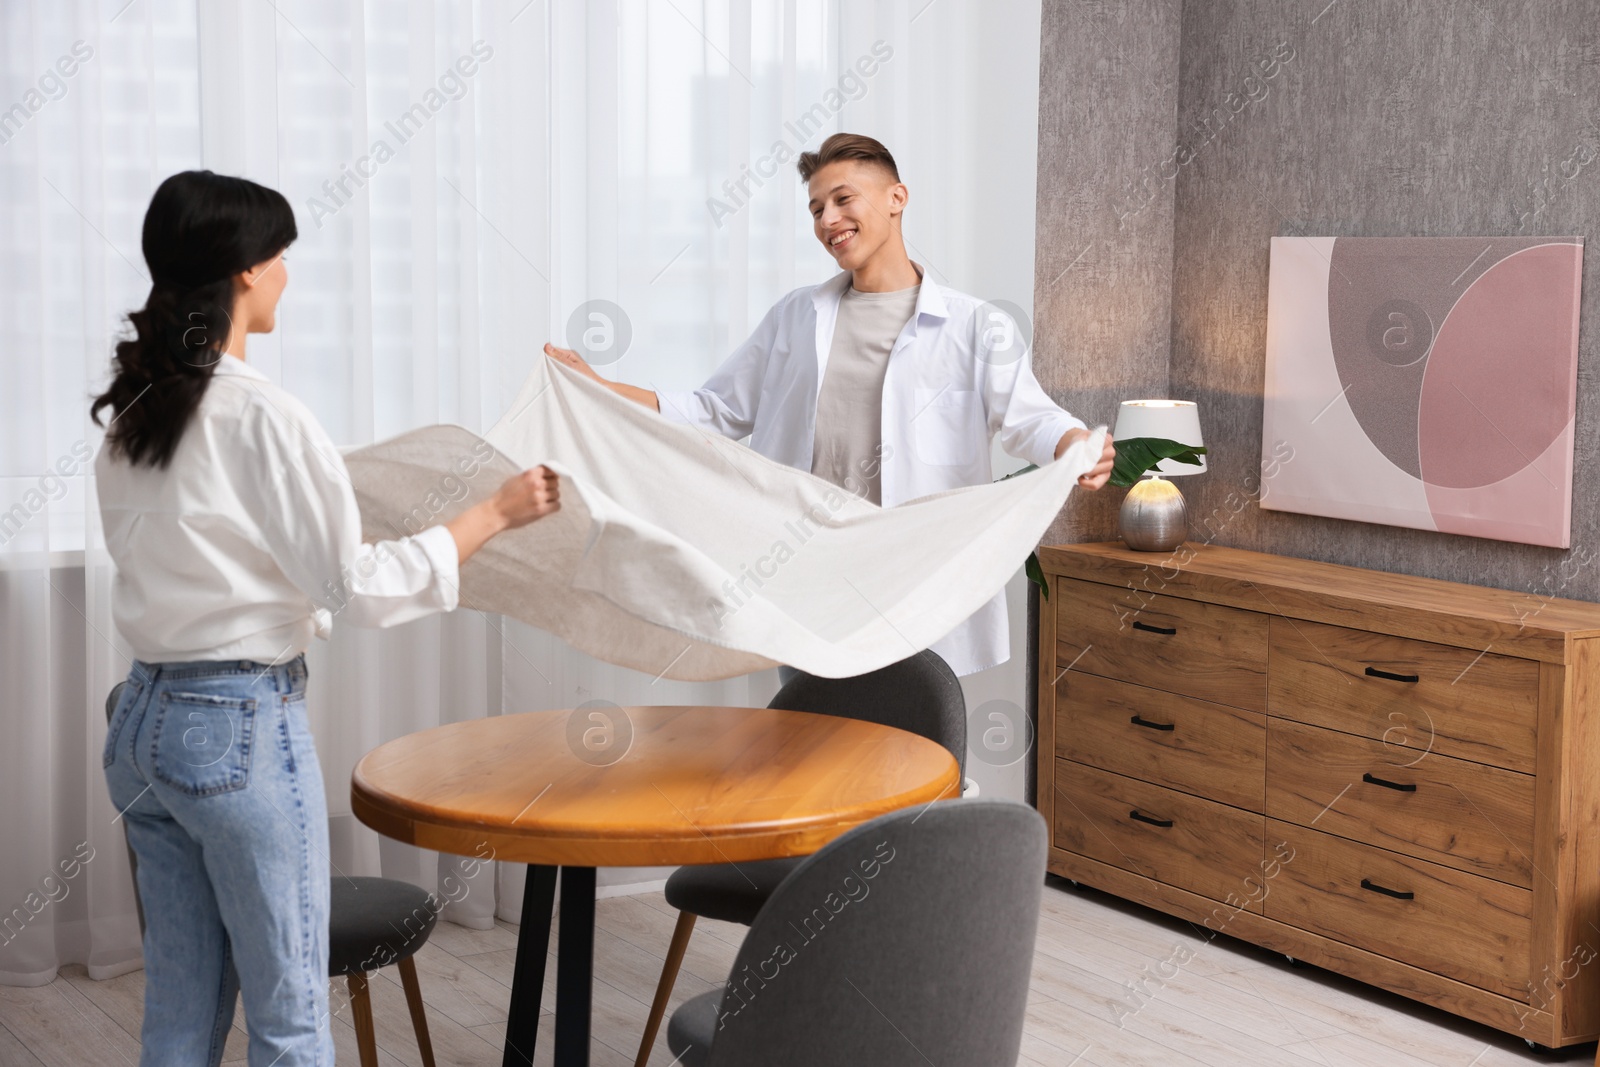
x: 1497, y: 389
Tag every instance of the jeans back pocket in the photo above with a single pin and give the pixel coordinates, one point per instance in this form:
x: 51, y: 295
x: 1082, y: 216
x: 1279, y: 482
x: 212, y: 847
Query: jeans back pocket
x: 200, y: 744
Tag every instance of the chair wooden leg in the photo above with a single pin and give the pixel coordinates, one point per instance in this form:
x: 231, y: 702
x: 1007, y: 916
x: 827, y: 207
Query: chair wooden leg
x: 669, y: 977
x: 419, y: 1021
x: 361, y: 1015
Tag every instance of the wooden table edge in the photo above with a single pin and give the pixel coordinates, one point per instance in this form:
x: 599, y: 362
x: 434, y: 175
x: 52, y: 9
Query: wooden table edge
x: 406, y: 823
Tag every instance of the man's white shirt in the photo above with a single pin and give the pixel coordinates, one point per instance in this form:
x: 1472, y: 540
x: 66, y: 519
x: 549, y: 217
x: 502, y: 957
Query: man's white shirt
x: 958, y: 375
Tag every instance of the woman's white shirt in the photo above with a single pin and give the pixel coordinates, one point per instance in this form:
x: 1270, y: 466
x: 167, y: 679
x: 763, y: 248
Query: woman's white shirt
x: 249, y: 543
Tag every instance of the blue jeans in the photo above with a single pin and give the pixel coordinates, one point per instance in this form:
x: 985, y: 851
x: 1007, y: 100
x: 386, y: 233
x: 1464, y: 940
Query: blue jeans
x: 213, y: 769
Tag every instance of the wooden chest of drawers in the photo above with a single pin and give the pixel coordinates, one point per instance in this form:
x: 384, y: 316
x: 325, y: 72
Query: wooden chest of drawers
x: 1390, y: 777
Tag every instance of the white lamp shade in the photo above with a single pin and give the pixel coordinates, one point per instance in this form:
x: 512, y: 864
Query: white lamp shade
x: 1175, y: 420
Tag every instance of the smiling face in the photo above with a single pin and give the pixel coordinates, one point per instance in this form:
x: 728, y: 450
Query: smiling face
x: 855, y: 210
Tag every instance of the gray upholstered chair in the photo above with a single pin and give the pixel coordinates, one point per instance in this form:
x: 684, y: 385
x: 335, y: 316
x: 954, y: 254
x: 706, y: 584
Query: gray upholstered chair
x: 372, y: 922
x: 907, y: 941
x: 920, y: 694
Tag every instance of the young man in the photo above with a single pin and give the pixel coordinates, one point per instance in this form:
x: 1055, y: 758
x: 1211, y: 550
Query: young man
x: 879, y: 380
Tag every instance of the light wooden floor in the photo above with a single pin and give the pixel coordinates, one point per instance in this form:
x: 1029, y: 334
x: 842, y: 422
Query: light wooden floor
x: 1230, y: 1005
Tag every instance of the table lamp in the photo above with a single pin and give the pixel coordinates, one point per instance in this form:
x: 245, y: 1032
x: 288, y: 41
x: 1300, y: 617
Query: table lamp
x: 1153, y: 516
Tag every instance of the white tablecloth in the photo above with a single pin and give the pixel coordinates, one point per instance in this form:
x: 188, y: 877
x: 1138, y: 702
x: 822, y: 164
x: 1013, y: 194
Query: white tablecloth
x: 686, y: 555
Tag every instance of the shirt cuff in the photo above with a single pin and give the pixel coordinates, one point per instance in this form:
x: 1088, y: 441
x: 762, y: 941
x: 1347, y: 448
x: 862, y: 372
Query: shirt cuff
x: 1058, y: 429
x: 677, y: 406
x: 439, y: 545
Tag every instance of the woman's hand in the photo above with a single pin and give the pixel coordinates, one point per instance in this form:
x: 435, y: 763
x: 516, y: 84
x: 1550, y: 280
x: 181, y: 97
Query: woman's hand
x: 521, y: 499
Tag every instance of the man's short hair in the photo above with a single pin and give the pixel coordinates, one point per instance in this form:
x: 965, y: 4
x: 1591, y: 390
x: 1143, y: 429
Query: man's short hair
x: 847, y: 146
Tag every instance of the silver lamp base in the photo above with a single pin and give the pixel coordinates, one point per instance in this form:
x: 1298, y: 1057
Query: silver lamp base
x: 1153, y: 516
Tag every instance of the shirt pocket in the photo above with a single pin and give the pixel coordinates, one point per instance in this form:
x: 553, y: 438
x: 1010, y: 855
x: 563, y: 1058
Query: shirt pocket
x: 201, y: 742
x: 945, y: 428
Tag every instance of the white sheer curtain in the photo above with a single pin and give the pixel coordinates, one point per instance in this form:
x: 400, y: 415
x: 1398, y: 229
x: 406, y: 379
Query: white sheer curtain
x: 468, y: 179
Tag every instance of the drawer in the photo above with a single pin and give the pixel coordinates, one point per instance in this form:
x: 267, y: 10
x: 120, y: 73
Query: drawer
x: 1210, y: 750
x: 1464, y: 815
x: 1196, y: 649
x: 1171, y: 837
x: 1409, y: 694
x: 1472, y: 929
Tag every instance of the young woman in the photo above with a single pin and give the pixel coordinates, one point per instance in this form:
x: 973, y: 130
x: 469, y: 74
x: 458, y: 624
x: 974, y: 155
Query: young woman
x: 234, y: 528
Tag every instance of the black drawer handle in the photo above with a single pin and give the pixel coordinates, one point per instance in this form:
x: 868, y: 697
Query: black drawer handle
x: 1402, y: 786
x: 1148, y: 725
x: 1376, y: 888
x: 1137, y: 814
x: 1373, y: 672
x: 1147, y: 628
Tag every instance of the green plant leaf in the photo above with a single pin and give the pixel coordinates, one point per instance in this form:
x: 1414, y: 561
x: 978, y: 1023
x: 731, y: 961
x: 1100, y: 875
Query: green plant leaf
x: 1136, y: 455
x: 1035, y: 574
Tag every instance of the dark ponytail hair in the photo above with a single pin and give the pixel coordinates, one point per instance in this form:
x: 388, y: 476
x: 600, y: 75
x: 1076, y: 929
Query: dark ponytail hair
x: 201, y: 229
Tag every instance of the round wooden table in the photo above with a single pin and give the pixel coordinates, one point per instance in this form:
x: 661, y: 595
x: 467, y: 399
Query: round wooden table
x: 602, y: 785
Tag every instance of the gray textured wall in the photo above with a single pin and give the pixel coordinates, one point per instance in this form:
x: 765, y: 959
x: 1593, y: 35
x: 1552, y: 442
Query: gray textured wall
x: 1393, y: 117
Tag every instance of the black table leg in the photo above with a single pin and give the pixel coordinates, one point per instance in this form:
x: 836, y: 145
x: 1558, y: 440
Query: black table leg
x: 575, y: 967
x: 527, y: 981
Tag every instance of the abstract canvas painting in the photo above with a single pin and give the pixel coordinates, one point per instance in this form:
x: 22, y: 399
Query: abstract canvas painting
x: 1428, y: 382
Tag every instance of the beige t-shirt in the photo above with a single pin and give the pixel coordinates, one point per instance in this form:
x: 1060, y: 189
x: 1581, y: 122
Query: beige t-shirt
x: 850, y: 403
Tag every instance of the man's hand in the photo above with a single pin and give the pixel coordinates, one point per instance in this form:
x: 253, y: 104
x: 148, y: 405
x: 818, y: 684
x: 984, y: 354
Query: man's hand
x: 573, y: 360
x: 645, y: 397
x: 1096, y: 478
